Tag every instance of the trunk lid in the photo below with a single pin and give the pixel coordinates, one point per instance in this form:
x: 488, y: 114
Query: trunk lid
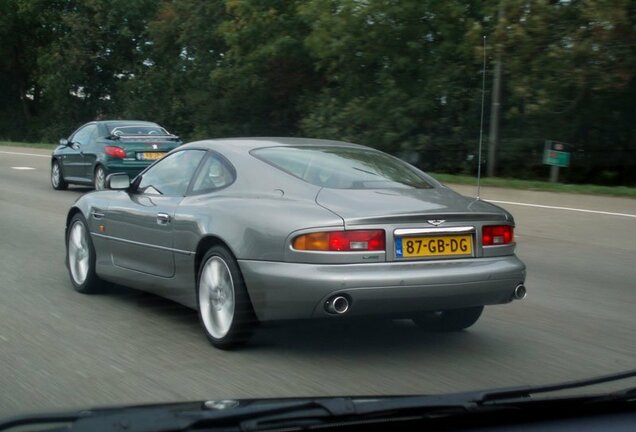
x: 405, y: 206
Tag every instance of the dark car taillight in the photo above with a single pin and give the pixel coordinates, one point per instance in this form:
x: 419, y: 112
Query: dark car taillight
x: 341, y: 241
x: 494, y: 235
x: 115, y: 151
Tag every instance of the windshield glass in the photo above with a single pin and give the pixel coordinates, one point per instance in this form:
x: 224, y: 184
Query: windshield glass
x: 343, y: 167
x: 208, y: 200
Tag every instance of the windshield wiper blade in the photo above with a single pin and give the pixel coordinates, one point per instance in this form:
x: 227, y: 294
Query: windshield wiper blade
x: 159, y: 418
x: 39, y: 419
x: 359, y: 409
x: 527, y: 391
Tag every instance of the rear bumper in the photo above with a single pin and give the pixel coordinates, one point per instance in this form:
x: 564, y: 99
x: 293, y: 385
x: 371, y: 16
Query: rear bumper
x: 281, y: 290
x: 132, y: 168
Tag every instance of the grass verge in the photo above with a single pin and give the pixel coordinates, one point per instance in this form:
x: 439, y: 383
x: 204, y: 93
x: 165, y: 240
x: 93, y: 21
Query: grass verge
x: 616, y: 191
x: 30, y: 145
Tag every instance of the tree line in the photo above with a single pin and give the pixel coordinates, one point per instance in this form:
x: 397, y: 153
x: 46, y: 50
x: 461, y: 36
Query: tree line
x: 402, y: 76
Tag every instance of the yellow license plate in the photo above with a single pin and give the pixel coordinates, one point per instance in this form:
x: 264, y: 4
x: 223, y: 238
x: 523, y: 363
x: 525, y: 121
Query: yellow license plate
x: 152, y: 155
x: 438, y: 246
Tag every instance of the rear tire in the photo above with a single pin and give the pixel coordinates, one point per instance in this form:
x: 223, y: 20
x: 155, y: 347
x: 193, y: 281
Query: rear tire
x: 449, y: 320
x: 57, y: 179
x: 225, y: 309
x: 99, y: 178
x: 80, y: 257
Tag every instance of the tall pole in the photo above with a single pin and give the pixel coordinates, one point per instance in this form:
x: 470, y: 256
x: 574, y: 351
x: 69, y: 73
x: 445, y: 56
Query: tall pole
x: 493, y: 135
x: 481, y: 123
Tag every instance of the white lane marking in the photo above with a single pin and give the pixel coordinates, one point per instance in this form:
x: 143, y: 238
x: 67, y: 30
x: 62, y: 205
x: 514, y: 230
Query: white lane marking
x: 117, y: 369
x: 22, y: 168
x: 564, y: 208
x: 25, y: 154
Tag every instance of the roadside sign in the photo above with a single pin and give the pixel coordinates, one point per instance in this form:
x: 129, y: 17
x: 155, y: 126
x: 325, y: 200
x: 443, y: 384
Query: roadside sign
x: 555, y: 153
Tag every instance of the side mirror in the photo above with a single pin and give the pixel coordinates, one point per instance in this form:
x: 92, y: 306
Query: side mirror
x: 64, y: 142
x: 118, y: 181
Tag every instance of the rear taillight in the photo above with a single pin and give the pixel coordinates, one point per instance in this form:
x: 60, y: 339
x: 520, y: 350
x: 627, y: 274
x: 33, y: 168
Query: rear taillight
x: 341, y: 241
x: 115, y: 151
x: 494, y: 235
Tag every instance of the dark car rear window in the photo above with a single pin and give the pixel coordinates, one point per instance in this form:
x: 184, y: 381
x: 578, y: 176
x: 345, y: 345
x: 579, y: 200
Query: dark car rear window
x: 137, y: 130
x: 343, y: 167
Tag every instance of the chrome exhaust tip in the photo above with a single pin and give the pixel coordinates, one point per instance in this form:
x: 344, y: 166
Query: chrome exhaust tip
x: 337, y: 305
x: 519, y: 292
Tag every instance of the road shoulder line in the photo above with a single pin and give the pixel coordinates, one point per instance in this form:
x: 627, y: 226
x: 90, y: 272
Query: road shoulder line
x: 563, y: 208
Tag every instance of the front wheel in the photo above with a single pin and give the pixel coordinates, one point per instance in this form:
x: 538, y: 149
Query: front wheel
x: 80, y: 256
x: 449, y: 320
x: 225, y: 310
x: 57, y: 180
x: 99, y: 179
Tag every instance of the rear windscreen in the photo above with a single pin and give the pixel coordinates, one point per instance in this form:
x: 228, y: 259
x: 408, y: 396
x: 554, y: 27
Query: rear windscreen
x: 138, y: 130
x: 343, y: 167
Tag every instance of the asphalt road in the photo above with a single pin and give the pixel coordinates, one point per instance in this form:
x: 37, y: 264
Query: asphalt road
x: 60, y: 349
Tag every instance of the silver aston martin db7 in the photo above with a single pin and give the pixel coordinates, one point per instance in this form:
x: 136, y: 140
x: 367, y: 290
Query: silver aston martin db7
x: 259, y: 229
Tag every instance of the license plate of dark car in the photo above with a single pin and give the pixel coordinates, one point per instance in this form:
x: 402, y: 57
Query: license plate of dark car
x: 151, y: 155
x: 434, y: 246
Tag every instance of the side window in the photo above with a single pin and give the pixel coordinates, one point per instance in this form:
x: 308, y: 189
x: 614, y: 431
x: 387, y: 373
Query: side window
x: 84, y: 135
x: 93, y: 135
x: 171, y: 175
x: 214, y: 174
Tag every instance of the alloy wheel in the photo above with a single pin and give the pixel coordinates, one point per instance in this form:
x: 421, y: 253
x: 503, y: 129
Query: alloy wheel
x: 100, y: 178
x: 216, y: 297
x: 78, y: 253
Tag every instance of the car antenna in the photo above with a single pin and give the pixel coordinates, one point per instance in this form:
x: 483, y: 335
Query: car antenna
x: 481, y: 126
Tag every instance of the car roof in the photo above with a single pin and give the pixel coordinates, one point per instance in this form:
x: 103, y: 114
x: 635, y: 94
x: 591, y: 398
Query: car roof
x: 250, y: 143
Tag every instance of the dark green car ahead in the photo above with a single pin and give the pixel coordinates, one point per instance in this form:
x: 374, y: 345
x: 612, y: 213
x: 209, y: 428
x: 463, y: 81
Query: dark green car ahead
x: 100, y: 148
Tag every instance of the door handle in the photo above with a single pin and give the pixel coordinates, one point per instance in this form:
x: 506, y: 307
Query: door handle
x: 163, y: 218
x: 97, y: 214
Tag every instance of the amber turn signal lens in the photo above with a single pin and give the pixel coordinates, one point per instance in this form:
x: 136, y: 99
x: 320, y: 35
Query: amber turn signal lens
x: 313, y: 241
